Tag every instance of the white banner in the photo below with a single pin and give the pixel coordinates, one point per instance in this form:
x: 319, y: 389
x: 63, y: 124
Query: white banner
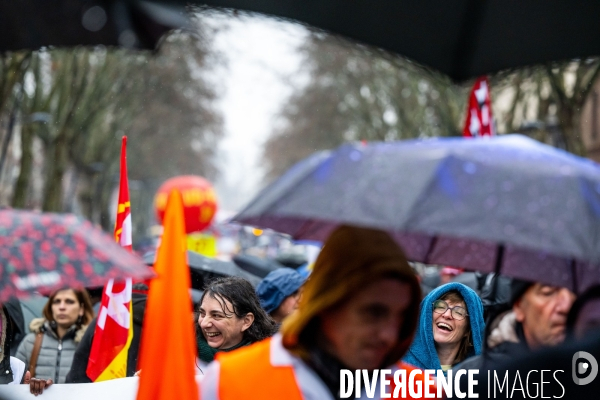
x: 116, y: 389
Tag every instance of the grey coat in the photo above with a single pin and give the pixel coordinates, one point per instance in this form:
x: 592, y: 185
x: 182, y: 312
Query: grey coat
x: 56, y: 355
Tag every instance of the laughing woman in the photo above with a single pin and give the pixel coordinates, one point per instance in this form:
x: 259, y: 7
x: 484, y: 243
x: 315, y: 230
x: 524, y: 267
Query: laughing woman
x: 450, y: 330
x: 230, y: 317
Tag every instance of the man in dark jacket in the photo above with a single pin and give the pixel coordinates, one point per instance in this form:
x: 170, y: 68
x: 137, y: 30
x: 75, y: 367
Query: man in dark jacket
x: 77, y: 374
x: 567, y: 371
x: 536, y: 320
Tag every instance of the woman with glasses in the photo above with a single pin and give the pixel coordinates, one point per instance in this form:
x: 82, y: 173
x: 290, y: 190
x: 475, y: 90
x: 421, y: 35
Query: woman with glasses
x: 450, y: 329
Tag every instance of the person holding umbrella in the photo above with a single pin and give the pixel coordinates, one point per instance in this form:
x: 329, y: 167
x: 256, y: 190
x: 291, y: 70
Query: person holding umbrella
x: 537, y: 319
x: 358, y: 311
x: 48, y: 351
x: 451, y: 328
x: 279, y: 292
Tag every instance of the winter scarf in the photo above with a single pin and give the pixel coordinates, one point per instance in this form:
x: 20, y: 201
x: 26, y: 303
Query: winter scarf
x: 422, y: 353
x: 207, y: 353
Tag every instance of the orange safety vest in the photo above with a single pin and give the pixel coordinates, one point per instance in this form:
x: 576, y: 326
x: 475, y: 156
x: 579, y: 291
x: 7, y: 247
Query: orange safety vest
x: 248, y: 374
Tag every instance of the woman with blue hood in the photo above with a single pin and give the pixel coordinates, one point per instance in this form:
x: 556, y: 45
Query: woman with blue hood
x: 450, y: 330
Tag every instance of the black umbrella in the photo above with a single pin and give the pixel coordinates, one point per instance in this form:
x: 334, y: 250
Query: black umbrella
x: 203, y: 269
x: 461, y: 38
x: 256, y: 265
x: 291, y: 260
x: 31, y: 24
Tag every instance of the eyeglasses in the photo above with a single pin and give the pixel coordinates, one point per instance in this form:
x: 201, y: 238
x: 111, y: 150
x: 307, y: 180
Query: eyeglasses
x: 457, y: 312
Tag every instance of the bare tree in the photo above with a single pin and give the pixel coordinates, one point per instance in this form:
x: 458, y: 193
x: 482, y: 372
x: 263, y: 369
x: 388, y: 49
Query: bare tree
x: 359, y: 93
x: 93, y: 96
x: 547, y: 101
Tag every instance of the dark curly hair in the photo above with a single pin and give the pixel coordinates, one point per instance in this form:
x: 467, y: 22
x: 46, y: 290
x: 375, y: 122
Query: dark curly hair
x: 240, y: 293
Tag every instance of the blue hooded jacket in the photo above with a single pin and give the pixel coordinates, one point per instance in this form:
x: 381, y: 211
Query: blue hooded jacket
x: 422, y: 353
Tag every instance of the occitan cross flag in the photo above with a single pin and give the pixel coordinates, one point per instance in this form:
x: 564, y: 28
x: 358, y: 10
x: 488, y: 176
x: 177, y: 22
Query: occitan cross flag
x: 114, y: 326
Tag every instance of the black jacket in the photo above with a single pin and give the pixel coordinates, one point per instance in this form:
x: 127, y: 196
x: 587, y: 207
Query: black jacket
x: 17, y: 324
x: 12, y: 330
x: 505, y: 342
x: 77, y: 374
x: 6, y: 373
x: 558, y: 363
x: 503, y: 352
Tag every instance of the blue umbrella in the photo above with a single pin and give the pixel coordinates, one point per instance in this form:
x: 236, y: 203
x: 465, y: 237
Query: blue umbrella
x: 505, y: 204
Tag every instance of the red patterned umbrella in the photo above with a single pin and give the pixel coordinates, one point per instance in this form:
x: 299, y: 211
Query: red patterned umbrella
x: 45, y: 251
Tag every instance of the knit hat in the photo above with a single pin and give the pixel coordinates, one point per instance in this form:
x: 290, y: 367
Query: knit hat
x: 350, y: 260
x: 276, y: 286
x: 518, y: 288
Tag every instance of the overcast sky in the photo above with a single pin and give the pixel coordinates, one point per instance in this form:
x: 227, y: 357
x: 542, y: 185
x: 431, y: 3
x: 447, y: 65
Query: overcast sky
x: 262, y: 65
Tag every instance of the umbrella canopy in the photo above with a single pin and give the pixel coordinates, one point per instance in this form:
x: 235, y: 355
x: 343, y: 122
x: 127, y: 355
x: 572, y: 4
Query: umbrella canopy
x: 203, y: 269
x: 44, y: 251
x: 461, y: 38
x: 507, y: 204
x: 256, y: 265
x: 198, y: 262
x: 31, y: 24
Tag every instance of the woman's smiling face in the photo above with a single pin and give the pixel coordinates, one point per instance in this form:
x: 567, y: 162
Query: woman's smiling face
x: 448, y: 330
x: 220, y: 326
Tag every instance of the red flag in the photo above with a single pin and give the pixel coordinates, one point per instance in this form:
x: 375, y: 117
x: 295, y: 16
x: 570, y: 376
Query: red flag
x: 123, y: 223
x: 168, y: 347
x: 479, y: 120
x: 114, y: 326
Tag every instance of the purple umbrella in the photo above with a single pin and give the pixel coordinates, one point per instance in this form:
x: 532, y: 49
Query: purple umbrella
x: 508, y: 204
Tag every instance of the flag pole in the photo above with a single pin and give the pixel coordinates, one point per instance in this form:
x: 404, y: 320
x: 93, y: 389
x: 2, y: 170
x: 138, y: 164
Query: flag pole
x: 114, y: 326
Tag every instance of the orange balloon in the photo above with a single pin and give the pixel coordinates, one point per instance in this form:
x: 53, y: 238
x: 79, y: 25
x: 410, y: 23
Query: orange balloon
x: 199, y: 201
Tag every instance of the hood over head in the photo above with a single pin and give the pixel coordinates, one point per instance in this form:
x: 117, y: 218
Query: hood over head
x: 351, y: 258
x: 422, y: 352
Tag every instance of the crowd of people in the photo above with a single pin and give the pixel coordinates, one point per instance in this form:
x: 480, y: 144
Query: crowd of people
x: 361, y: 308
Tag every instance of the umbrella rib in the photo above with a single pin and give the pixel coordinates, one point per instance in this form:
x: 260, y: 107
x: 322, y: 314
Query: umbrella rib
x: 497, y: 269
x: 430, y: 249
x: 574, y: 276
